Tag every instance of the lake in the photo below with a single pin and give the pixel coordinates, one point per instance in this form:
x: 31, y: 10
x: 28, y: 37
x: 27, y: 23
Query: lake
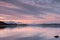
x: 30, y: 33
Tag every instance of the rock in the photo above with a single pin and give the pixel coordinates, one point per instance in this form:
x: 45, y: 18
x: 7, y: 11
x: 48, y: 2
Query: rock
x: 56, y: 36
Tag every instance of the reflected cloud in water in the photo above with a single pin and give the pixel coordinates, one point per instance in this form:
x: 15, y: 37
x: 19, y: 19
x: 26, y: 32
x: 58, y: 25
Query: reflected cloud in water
x: 29, y: 33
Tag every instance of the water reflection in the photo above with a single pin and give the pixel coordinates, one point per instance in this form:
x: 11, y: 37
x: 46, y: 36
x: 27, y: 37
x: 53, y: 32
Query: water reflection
x: 29, y: 33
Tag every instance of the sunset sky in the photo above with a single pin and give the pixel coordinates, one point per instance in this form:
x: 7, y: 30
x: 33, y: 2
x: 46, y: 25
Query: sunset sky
x: 30, y: 11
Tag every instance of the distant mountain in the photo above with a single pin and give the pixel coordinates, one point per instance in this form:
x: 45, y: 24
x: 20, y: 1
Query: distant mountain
x: 2, y: 23
x: 50, y: 25
x: 11, y: 22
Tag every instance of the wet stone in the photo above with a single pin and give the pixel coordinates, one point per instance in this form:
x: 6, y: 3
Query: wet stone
x: 56, y: 36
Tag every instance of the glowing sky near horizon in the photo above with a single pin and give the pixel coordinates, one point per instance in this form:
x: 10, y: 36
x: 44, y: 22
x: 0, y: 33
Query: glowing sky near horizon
x: 30, y: 11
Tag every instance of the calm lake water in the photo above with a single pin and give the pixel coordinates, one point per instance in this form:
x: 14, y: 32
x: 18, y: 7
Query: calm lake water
x: 29, y: 33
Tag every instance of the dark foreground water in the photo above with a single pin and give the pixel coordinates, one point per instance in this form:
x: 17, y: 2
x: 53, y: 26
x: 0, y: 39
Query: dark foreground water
x: 29, y: 33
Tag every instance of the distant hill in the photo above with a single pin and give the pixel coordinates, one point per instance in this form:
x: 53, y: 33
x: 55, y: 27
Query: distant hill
x: 50, y: 25
x: 2, y: 23
x: 7, y: 24
x: 11, y: 24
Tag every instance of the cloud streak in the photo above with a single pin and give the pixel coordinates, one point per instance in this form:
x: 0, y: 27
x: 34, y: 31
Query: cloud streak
x: 42, y: 11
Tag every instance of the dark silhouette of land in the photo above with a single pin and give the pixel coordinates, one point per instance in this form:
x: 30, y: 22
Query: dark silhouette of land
x: 13, y: 25
x: 6, y: 25
x: 2, y: 25
x: 50, y: 25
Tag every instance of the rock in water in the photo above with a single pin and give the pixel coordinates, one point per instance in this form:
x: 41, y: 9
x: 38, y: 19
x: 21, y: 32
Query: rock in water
x: 56, y: 36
